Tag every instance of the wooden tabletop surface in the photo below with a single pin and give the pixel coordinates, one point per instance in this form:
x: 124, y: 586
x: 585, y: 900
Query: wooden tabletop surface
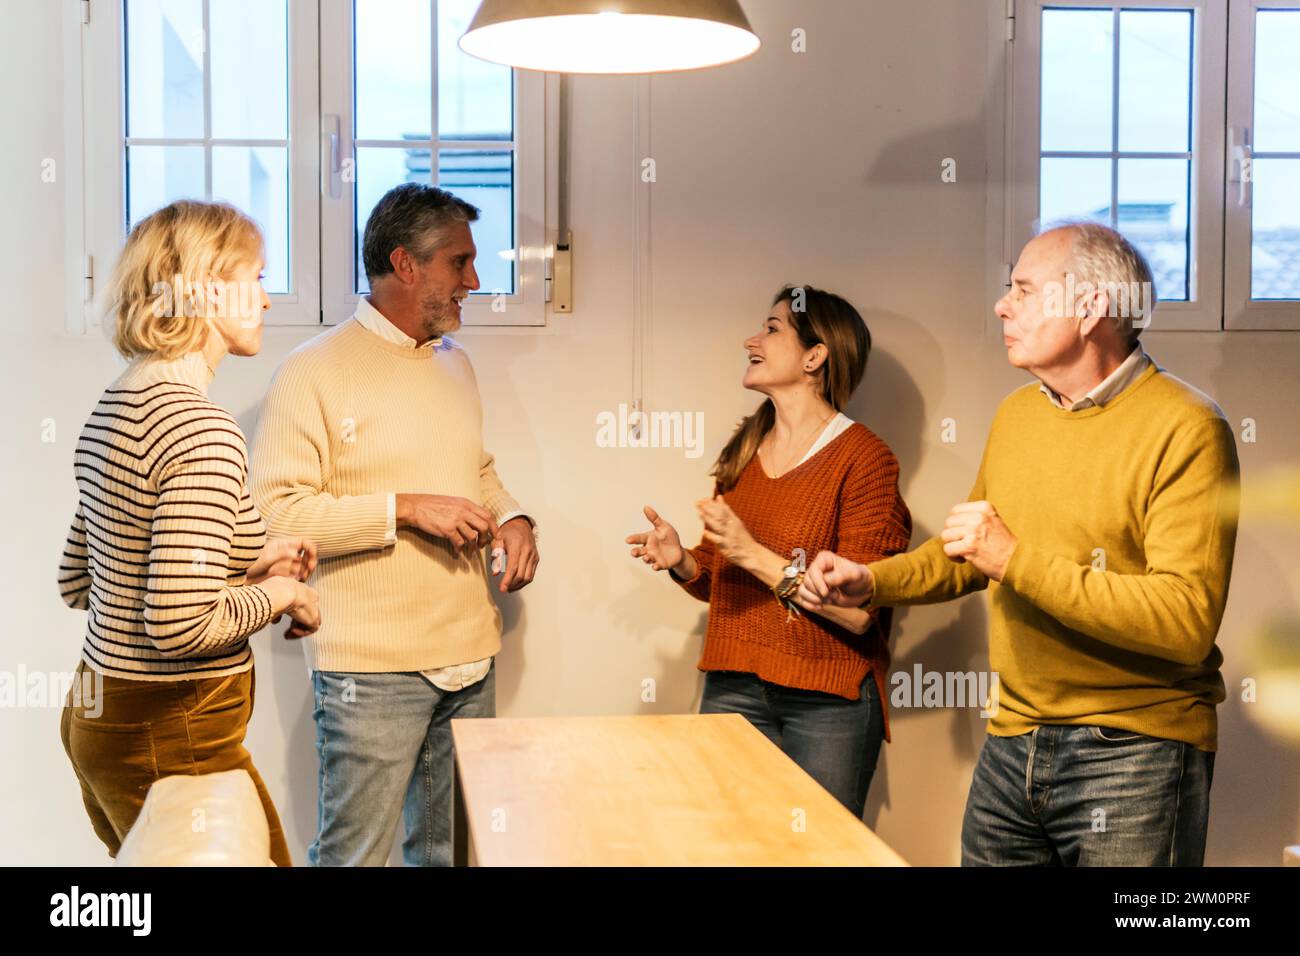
x: 677, y: 790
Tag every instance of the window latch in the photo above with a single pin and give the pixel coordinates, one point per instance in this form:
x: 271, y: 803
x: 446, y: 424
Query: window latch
x: 1242, y: 162
x: 329, y: 156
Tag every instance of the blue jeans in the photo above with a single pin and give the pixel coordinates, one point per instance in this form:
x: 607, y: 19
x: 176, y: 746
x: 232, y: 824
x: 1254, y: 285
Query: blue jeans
x: 384, y: 743
x: 1087, y: 796
x: 836, y: 741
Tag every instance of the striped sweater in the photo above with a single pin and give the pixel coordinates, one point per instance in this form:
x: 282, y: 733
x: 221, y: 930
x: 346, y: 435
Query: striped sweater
x: 164, y: 529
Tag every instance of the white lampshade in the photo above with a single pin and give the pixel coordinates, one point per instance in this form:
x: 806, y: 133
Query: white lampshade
x: 610, y: 36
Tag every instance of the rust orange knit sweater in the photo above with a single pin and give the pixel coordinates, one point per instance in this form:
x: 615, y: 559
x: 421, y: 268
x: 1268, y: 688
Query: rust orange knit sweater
x: 844, y: 499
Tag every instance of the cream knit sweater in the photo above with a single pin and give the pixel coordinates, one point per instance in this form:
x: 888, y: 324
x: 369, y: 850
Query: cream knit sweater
x: 351, y: 419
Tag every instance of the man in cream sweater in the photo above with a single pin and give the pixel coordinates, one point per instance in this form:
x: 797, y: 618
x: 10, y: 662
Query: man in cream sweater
x: 370, y: 443
x: 1102, y: 522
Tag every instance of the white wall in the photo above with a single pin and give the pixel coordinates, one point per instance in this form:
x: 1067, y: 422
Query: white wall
x: 820, y: 168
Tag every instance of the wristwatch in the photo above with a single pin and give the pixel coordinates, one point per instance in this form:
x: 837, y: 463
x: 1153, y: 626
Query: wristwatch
x: 786, y: 588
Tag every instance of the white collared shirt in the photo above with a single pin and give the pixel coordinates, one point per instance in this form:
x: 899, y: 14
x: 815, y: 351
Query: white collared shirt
x: 454, y: 676
x: 374, y: 320
x: 1125, y: 374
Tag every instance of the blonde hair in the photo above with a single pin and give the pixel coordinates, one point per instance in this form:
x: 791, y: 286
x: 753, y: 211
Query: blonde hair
x: 156, y: 293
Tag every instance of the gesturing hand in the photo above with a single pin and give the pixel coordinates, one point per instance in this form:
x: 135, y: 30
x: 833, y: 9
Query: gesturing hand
x: 975, y: 532
x: 724, y: 528
x: 831, y: 579
x: 660, y: 547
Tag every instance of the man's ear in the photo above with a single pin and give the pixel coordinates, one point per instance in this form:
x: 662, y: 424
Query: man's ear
x: 403, y: 266
x: 1096, y: 306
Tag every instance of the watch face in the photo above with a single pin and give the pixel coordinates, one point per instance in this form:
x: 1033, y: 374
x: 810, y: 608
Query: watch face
x: 791, y: 571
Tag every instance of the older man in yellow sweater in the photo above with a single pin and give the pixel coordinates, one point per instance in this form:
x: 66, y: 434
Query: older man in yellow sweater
x: 370, y: 442
x: 1100, y: 523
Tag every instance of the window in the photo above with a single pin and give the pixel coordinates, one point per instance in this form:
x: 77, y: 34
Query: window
x: 303, y: 113
x: 1119, y: 116
x: 1263, y: 199
x: 392, y: 107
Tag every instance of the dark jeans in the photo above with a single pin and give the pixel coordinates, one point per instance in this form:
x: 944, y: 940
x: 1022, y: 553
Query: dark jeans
x: 1087, y: 796
x: 836, y: 741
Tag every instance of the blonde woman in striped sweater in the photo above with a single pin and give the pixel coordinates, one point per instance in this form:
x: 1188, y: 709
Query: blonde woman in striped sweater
x: 167, y: 552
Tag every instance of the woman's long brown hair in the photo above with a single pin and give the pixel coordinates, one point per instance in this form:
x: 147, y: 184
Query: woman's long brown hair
x: 826, y: 319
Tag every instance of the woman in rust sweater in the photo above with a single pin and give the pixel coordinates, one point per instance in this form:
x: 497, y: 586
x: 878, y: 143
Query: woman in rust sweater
x: 796, y: 478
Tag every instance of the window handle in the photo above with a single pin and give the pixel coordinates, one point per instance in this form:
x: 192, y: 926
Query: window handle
x: 329, y: 156
x: 1242, y: 162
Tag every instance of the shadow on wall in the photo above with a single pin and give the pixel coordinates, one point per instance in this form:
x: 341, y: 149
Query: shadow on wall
x: 889, y: 402
x: 960, y: 645
x: 944, y: 640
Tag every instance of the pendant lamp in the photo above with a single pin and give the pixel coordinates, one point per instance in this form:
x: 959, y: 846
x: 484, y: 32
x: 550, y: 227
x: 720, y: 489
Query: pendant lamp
x: 610, y: 36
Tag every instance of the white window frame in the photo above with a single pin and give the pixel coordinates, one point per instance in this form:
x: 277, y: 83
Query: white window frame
x: 526, y: 305
x: 1204, y: 310
x: 1241, y: 311
x: 320, y: 224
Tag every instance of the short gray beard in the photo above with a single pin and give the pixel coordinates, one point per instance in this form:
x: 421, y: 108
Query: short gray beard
x: 435, y: 316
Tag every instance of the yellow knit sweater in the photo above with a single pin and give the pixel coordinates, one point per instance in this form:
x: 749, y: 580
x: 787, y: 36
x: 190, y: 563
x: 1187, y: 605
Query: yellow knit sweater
x: 349, y: 419
x: 1110, y: 605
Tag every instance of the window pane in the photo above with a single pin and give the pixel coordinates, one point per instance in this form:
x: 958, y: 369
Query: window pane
x: 1275, y: 238
x: 474, y: 96
x: 256, y: 179
x: 164, y: 68
x: 1153, y: 215
x: 379, y: 169
x: 394, y: 69
x: 1078, y: 51
x: 486, y: 179
x: 1277, y: 81
x: 250, y: 71
x: 1155, y: 80
x: 1074, y: 189
x: 156, y: 175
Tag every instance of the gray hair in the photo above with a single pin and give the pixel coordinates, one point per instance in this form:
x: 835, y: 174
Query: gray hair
x: 415, y: 216
x: 1106, y: 260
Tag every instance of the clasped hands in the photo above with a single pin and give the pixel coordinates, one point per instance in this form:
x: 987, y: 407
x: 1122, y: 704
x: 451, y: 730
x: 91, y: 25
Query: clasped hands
x: 974, y: 532
x: 468, y: 526
x: 284, y: 565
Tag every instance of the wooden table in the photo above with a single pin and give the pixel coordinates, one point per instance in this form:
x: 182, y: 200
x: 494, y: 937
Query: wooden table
x: 680, y: 790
